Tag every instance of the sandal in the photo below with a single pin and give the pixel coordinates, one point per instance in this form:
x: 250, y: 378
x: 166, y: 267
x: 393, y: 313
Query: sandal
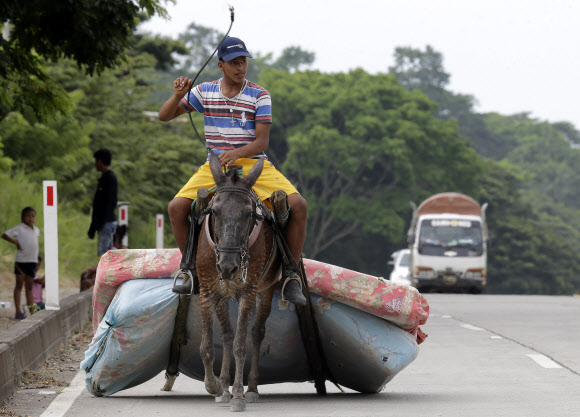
x: 34, y: 308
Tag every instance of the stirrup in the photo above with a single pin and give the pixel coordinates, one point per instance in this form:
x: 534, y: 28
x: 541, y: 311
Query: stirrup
x: 187, y: 285
x: 290, y: 275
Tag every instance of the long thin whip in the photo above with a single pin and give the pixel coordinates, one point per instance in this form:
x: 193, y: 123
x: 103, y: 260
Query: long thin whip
x: 231, y: 8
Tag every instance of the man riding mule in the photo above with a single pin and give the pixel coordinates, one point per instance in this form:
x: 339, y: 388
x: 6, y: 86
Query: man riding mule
x: 236, y: 227
x: 237, y: 120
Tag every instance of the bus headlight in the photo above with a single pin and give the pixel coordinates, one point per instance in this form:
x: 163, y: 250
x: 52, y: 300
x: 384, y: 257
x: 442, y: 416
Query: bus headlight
x: 425, y: 272
x: 475, y: 273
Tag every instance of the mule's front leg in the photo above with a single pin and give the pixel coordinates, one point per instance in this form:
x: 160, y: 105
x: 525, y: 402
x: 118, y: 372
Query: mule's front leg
x: 238, y: 402
x: 263, y: 308
x: 206, y: 349
x: 223, y: 315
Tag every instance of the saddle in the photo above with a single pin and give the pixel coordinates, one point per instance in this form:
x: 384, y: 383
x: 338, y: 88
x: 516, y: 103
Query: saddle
x: 290, y: 269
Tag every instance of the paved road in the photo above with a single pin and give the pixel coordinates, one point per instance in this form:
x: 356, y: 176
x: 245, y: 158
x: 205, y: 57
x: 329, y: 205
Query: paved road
x: 485, y: 356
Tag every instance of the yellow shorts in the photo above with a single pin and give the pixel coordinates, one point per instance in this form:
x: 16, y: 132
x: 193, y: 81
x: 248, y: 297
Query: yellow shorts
x: 269, y: 181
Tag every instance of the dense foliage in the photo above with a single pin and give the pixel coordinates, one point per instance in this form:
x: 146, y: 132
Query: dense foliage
x: 95, y: 34
x: 359, y: 147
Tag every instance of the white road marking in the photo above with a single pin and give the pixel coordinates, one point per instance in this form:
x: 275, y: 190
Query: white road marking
x: 446, y: 316
x: 496, y: 337
x: 543, y: 361
x: 471, y: 327
x: 47, y: 392
x: 60, y: 405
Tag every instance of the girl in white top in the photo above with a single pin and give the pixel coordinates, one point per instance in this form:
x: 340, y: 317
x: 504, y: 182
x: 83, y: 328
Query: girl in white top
x: 25, y: 237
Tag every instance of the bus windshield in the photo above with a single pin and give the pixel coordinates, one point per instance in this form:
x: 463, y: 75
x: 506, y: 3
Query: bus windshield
x: 437, y: 236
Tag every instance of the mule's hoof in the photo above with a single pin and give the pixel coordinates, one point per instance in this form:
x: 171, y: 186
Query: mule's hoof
x: 225, y: 398
x: 216, y: 389
x: 169, y: 381
x: 252, y: 397
x: 238, y: 404
x: 219, y: 393
x: 168, y: 385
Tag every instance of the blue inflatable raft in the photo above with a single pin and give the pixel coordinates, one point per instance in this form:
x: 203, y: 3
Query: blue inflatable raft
x: 131, y: 345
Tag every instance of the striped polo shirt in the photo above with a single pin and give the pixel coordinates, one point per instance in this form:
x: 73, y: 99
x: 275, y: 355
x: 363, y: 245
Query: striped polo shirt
x: 230, y: 124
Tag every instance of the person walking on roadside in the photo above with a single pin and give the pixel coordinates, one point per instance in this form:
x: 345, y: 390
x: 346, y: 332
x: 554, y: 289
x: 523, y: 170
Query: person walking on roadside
x: 25, y: 237
x: 104, y: 220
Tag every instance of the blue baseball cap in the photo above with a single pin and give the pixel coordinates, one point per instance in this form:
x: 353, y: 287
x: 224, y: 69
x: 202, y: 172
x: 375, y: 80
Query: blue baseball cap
x: 232, y: 48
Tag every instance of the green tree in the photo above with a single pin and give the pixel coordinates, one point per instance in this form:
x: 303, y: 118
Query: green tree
x: 5, y: 162
x: 542, y: 150
x: 420, y: 70
x: 294, y: 59
x: 95, y: 34
x: 165, y: 50
x: 359, y: 147
x: 424, y: 71
x: 530, y: 252
x: 200, y: 42
x: 55, y: 150
x: 152, y: 160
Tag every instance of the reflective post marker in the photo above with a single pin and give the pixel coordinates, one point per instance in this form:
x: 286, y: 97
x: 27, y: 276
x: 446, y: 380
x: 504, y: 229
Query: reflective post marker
x: 159, y: 231
x: 124, y: 220
x: 51, y: 244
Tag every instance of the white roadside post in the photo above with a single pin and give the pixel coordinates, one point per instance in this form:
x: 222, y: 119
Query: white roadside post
x: 51, y: 244
x: 124, y: 220
x: 159, y: 231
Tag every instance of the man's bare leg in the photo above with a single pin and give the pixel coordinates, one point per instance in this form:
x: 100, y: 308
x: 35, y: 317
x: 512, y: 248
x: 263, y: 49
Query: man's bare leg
x: 179, y: 209
x: 296, y: 228
x: 295, y: 235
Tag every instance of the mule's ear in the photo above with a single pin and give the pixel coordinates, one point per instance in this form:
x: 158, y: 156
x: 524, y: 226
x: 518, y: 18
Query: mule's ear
x: 215, y: 167
x: 254, y: 173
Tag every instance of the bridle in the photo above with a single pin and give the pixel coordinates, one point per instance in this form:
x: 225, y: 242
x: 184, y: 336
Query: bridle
x: 254, y: 216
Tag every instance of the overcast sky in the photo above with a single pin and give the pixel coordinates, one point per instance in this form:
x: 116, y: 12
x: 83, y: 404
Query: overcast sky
x: 512, y: 55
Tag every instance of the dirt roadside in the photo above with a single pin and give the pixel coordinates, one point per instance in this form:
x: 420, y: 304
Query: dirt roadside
x: 40, y: 387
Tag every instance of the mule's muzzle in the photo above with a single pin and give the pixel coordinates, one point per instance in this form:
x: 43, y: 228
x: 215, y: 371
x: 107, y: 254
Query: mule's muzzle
x: 227, y: 272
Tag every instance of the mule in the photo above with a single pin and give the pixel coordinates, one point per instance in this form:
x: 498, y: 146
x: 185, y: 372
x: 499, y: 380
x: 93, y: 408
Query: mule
x: 236, y: 258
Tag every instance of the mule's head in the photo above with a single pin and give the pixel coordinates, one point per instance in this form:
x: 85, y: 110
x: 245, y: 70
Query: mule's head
x: 233, y: 216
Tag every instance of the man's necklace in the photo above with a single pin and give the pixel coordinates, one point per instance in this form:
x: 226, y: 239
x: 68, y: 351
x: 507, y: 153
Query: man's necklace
x: 226, y: 99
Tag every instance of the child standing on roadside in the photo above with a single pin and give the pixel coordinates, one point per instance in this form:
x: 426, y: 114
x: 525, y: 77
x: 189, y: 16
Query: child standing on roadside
x: 25, y: 237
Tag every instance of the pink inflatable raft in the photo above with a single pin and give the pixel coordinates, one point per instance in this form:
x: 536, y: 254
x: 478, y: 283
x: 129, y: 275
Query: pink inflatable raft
x: 368, y: 326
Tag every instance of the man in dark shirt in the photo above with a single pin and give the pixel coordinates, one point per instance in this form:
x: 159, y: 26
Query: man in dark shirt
x: 104, y: 203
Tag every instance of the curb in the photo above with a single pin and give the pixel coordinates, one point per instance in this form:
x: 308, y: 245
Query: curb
x: 29, y: 343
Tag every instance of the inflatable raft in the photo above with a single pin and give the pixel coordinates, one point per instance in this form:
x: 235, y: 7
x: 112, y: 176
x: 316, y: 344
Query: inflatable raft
x: 369, y: 327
